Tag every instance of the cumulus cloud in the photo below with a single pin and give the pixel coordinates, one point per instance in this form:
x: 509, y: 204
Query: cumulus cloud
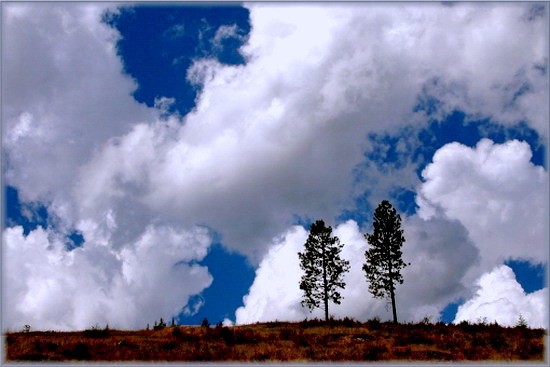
x: 276, y: 138
x: 66, y: 97
x: 501, y: 298
x: 275, y: 293
x: 50, y: 288
x: 496, y: 193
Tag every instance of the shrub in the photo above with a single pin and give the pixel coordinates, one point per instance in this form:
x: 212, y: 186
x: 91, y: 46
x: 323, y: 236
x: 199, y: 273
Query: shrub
x: 80, y: 351
x: 426, y: 320
x: 244, y: 336
x: 414, y: 338
x: 497, y: 341
x: 51, y: 346
x: 481, y: 321
x: 464, y: 324
x: 287, y: 333
x: 95, y: 332
x: 349, y: 322
x: 161, y: 325
x: 169, y: 346
x: 227, y: 335
x: 374, y: 353
x: 311, y: 323
x: 374, y: 323
x: 224, y: 333
x: 205, y: 323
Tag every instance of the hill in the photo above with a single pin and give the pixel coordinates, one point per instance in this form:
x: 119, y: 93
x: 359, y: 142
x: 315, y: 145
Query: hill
x: 312, y: 340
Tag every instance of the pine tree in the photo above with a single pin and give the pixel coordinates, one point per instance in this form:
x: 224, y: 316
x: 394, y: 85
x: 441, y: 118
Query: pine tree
x: 383, y: 259
x: 323, y: 268
x: 522, y: 323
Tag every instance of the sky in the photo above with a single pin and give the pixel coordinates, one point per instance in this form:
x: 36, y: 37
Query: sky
x: 167, y: 161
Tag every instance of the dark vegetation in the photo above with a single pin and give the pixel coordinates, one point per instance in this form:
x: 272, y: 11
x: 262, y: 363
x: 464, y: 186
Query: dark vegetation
x: 323, y: 268
x: 383, y: 258
x: 309, y: 340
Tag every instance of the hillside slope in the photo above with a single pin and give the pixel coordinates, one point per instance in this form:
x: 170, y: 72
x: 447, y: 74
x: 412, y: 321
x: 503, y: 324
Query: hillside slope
x: 277, y: 341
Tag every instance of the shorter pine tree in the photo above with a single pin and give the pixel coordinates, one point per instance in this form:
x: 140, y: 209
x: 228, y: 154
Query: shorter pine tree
x: 323, y: 268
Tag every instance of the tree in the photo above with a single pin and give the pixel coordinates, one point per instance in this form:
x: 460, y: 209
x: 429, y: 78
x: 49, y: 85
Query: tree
x: 383, y: 259
x: 323, y: 267
x: 522, y: 323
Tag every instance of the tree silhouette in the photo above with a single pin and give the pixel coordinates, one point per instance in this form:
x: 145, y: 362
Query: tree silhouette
x: 383, y: 259
x: 323, y: 267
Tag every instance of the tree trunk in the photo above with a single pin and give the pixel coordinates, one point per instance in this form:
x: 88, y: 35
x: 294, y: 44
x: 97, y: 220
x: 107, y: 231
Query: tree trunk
x: 325, y: 286
x: 326, y: 306
x: 392, y: 294
x: 392, y: 291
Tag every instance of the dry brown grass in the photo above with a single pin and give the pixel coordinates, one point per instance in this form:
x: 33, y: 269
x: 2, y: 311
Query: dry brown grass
x: 306, y: 341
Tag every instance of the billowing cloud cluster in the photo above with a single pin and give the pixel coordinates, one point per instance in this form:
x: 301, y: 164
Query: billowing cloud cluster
x: 496, y: 193
x: 268, y: 141
x: 500, y: 298
x: 50, y: 288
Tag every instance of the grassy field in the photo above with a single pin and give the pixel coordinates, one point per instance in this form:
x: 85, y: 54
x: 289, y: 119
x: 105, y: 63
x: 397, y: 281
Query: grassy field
x: 312, y: 340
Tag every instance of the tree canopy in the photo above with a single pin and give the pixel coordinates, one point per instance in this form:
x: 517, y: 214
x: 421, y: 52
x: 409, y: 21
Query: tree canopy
x: 323, y: 268
x: 384, y: 257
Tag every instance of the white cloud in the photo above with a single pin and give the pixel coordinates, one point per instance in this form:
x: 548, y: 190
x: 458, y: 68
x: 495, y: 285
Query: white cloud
x: 202, y: 71
x: 277, y: 137
x: 290, y: 126
x: 275, y: 293
x: 225, y: 32
x: 164, y: 104
x: 501, y: 298
x: 50, y: 288
x: 175, y: 32
x: 67, y: 95
x: 496, y: 193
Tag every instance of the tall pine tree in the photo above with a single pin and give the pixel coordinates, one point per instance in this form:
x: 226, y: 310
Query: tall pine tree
x: 323, y: 268
x: 383, y: 259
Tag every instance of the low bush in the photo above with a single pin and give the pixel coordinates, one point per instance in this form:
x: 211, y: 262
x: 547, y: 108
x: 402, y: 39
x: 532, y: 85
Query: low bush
x: 96, y: 333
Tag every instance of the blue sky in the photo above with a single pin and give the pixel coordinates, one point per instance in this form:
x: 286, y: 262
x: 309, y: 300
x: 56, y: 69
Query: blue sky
x: 190, y: 162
